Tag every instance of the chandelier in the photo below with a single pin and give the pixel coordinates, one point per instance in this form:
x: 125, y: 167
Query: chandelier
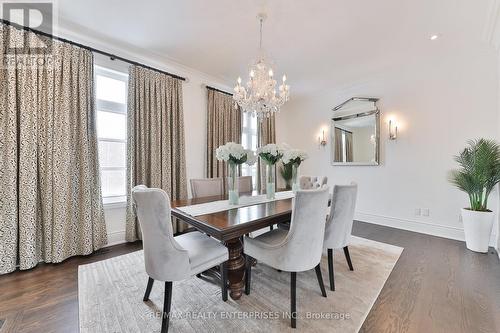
x: 259, y: 96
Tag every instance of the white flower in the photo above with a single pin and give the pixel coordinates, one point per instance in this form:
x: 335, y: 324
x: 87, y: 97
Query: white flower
x: 294, y: 155
x: 235, y: 153
x: 272, y: 149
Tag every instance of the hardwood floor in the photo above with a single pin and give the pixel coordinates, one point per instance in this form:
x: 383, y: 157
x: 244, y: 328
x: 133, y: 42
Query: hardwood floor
x: 436, y: 286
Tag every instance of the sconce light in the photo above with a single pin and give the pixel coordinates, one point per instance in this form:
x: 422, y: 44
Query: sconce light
x: 393, y: 130
x: 322, y: 139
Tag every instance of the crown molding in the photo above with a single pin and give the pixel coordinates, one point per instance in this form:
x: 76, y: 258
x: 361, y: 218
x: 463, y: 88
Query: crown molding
x: 87, y: 37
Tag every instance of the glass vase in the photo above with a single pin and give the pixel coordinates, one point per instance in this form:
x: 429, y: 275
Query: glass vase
x: 270, y: 181
x: 295, y: 178
x: 232, y: 184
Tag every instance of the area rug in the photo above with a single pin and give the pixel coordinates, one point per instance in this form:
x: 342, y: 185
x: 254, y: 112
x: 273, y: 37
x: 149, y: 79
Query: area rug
x: 110, y: 296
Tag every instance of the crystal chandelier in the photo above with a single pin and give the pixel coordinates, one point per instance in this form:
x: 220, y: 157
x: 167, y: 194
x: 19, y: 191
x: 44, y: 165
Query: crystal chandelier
x: 259, y: 96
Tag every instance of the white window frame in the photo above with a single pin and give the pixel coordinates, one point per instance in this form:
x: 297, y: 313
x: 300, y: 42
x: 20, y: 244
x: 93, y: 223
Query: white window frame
x: 250, y: 133
x: 112, y: 107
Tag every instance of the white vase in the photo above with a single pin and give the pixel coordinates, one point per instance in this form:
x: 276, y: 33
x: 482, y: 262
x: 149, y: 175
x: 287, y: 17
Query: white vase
x: 270, y: 181
x: 232, y: 184
x: 477, y: 228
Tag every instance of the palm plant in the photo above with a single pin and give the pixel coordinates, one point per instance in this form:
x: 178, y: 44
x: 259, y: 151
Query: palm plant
x: 479, y: 171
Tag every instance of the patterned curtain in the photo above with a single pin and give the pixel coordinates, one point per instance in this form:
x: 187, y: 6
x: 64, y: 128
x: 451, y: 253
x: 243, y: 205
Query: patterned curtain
x: 339, y: 146
x: 266, y: 135
x: 50, y: 195
x: 223, y: 125
x: 155, y: 153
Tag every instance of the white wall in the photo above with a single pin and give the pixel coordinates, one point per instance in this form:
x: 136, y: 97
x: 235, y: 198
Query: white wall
x: 439, y: 100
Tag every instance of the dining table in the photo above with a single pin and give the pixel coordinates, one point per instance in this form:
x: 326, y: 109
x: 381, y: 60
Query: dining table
x: 229, y: 226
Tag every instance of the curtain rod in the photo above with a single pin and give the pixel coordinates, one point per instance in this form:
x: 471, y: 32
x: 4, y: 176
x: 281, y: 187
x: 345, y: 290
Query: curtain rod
x: 218, y: 90
x: 111, y: 56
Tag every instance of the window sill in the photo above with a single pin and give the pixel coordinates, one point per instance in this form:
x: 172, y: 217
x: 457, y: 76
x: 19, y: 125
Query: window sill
x: 114, y: 202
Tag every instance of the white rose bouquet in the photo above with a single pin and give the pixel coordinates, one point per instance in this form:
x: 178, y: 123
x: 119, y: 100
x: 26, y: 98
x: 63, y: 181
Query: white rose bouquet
x: 234, y: 153
x: 270, y: 153
x: 294, y: 156
x: 291, y: 160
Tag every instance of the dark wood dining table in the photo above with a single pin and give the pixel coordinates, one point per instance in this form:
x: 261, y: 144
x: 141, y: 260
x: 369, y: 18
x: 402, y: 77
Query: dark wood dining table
x: 229, y: 227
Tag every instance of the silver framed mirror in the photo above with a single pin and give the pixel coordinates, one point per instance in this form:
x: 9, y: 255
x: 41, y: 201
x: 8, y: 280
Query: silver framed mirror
x: 355, y: 132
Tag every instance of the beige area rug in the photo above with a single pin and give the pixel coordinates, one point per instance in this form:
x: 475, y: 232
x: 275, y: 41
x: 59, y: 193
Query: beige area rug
x: 110, y: 296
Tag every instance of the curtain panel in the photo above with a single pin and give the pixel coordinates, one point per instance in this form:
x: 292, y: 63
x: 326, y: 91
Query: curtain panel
x: 348, y: 146
x: 339, y: 147
x: 50, y: 194
x: 223, y: 125
x: 266, y: 135
x: 155, y: 149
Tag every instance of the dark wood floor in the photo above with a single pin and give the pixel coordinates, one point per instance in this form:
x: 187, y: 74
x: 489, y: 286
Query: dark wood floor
x: 436, y: 286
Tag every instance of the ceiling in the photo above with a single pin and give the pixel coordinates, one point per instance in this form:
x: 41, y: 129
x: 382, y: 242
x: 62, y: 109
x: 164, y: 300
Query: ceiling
x: 316, y: 42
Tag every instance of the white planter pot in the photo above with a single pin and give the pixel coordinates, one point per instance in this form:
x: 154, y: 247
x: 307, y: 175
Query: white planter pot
x: 477, y: 228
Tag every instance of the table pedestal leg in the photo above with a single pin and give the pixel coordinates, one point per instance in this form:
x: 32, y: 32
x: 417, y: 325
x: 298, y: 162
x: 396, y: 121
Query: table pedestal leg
x: 235, y: 268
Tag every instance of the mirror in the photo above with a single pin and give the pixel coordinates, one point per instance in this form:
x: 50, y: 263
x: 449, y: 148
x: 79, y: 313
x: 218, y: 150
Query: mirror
x: 355, y: 132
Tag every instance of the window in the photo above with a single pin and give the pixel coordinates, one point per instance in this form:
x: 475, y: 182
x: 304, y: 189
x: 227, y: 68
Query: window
x: 249, y: 141
x: 111, y: 102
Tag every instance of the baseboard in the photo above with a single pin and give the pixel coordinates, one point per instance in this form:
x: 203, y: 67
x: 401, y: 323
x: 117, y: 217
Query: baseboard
x: 116, y: 237
x: 418, y: 226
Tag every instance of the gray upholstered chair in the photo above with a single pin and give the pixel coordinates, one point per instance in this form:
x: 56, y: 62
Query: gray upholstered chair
x: 296, y: 250
x: 339, y: 225
x: 207, y: 187
x: 245, y: 184
x: 168, y: 258
x: 312, y: 182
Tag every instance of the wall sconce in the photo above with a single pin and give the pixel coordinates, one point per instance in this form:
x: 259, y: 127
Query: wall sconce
x: 322, y: 139
x: 393, y: 130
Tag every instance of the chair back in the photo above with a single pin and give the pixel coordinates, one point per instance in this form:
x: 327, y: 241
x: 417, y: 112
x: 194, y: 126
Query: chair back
x: 164, y: 258
x: 207, y: 187
x: 304, y: 241
x: 245, y: 184
x: 339, y: 223
x: 312, y: 182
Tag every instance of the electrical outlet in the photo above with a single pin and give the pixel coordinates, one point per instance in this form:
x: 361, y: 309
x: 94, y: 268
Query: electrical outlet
x: 425, y: 212
x: 417, y: 212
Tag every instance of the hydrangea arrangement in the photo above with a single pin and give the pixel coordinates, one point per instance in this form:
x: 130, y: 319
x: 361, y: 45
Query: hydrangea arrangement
x: 291, y: 160
x: 270, y: 153
x: 234, y: 153
x: 294, y: 156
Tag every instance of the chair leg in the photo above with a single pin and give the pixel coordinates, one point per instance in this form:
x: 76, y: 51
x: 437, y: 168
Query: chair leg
x: 348, y: 258
x: 148, y: 289
x: 248, y: 274
x: 223, y: 275
x: 330, y: 269
x: 167, y: 302
x: 320, y: 280
x: 293, y: 304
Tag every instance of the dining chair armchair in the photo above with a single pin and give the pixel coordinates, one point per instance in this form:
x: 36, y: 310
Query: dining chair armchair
x: 339, y: 225
x: 296, y: 250
x: 245, y: 184
x: 168, y: 258
x: 312, y: 182
x: 207, y: 187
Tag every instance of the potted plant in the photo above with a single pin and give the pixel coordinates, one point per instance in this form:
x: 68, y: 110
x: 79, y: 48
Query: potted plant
x: 234, y: 154
x: 478, y: 174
